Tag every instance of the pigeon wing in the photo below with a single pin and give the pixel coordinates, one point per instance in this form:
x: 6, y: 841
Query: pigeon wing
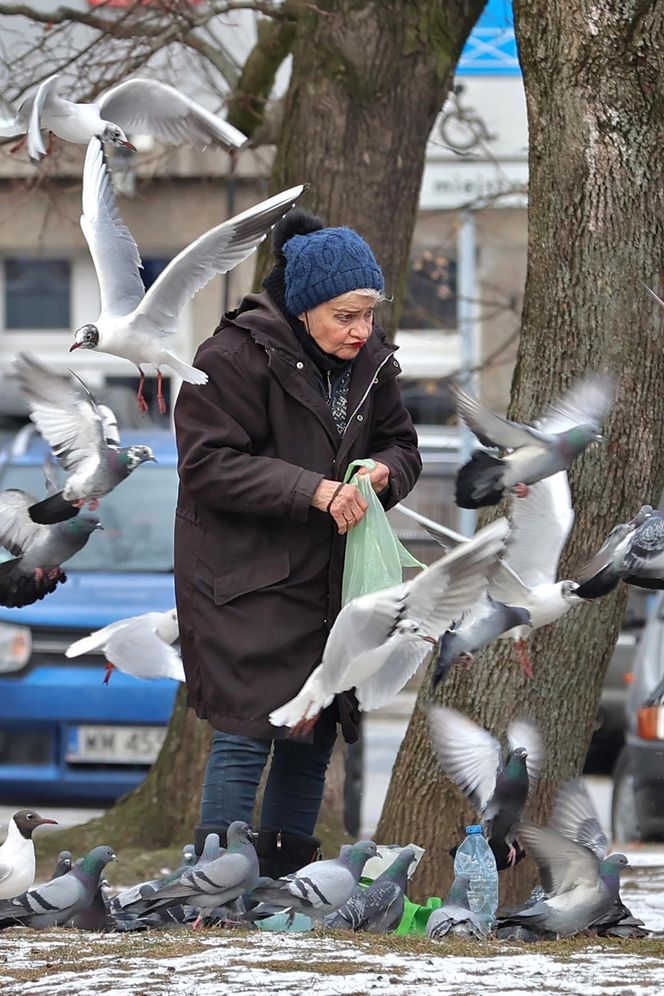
x: 17, y: 530
x: 148, y: 106
x: 64, y: 411
x: 562, y: 863
x: 586, y: 403
x: 575, y: 816
x: 112, y: 247
x: 524, y: 733
x: 58, y: 895
x: 217, y: 251
x: 468, y: 754
x: 541, y: 523
x: 491, y: 429
x: 35, y: 142
x: 645, y: 547
x: 111, y: 428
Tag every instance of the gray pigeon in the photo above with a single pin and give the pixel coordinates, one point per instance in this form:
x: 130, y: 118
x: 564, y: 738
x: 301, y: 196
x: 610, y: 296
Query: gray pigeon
x: 55, y: 902
x: 215, y: 883
x: 568, y: 427
x: 62, y: 865
x: 633, y: 552
x: 579, y: 888
x: 350, y: 915
x: 38, y: 551
x: 137, y: 893
x: 320, y: 887
x: 455, y: 917
x: 487, y: 620
x: 81, y: 434
x: 496, y: 781
x: 384, y: 899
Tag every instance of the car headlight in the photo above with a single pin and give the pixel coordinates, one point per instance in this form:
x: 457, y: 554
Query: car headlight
x: 15, y: 647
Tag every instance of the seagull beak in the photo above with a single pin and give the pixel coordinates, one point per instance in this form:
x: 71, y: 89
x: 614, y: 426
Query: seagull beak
x: 74, y: 345
x: 430, y: 639
x: 43, y: 820
x: 128, y: 145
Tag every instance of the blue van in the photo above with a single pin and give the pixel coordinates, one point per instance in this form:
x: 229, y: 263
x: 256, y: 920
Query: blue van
x: 64, y: 734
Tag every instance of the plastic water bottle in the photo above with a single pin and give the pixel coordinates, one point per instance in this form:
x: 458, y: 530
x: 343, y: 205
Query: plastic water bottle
x: 475, y: 858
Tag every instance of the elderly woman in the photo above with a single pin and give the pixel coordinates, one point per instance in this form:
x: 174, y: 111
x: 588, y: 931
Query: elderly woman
x: 301, y: 383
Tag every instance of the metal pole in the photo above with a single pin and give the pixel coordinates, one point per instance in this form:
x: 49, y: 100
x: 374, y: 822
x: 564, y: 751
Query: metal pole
x: 469, y: 335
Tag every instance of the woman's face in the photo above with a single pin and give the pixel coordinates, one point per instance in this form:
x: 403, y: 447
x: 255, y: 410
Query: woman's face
x: 341, y: 326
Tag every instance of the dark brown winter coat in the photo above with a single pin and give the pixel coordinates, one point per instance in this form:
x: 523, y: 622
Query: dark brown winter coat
x: 257, y: 570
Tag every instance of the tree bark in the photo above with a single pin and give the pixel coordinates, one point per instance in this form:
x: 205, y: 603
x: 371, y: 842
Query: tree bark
x: 593, y: 75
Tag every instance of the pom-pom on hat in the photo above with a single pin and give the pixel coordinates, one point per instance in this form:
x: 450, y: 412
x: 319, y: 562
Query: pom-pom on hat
x: 325, y: 263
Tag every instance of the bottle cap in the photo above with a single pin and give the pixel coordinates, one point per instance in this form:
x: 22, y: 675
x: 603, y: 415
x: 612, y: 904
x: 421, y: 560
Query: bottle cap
x: 474, y: 828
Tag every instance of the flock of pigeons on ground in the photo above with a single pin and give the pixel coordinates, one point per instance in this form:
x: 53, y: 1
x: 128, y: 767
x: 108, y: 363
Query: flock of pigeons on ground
x: 501, y: 583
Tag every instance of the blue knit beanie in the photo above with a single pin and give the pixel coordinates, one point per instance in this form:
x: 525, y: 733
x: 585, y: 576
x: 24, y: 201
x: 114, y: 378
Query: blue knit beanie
x: 326, y: 263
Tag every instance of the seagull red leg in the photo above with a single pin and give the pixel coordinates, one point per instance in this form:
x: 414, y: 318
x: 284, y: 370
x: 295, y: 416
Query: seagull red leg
x: 108, y: 672
x: 523, y: 657
x: 161, y: 400
x: 19, y: 145
x: 521, y: 490
x: 142, y: 403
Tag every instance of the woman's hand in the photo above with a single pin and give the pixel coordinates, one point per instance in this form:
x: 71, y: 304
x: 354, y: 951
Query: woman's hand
x: 379, y: 477
x: 348, y: 507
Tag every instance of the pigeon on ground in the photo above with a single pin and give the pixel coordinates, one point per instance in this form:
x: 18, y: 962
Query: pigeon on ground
x: 523, y: 593
x: 77, y: 430
x: 38, y: 551
x: 632, y: 552
x: 579, y: 888
x: 17, y: 854
x: 568, y: 427
x: 139, y: 646
x: 379, y: 640
x: 62, y: 865
x: 384, y: 899
x: 320, y: 887
x: 137, y: 105
x: 136, y: 894
x: 496, y: 781
x: 214, y: 884
x: 55, y: 902
x: 455, y: 917
x: 136, y: 324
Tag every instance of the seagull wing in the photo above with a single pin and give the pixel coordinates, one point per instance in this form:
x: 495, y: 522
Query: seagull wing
x: 541, y: 523
x: 35, y: 142
x: 575, y: 816
x: 96, y: 640
x: 586, y: 403
x: 447, y: 538
x: 112, y: 247
x: 562, y: 863
x: 491, y: 429
x: 140, y: 105
x: 136, y: 649
x: 523, y: 733
x: 17, y: 530
x: 64, y: 411
x: 470, y: 756
x: 217, y: 251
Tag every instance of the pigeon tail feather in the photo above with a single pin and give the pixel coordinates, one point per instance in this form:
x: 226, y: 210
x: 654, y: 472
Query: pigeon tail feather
x: 479, y: 481
x: 53, y: 509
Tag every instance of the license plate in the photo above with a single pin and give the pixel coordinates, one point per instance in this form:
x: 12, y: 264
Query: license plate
x: 114, y: 744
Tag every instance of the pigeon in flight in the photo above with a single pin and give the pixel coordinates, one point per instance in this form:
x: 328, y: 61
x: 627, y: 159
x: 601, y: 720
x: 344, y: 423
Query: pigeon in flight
x: 632, y: 552
x: 379, y: 640
x: 579, y: 887
x: 17, y: 854
x: 567, y: 428
x: 38, y: 551
x: 81, y: 434
x: 139, y: 646
x: 137, y: 105
x: 55, y: 902
x: 496, y: 781
x: 136, y: 324
x: 320, y: 887
x: 455, y: 917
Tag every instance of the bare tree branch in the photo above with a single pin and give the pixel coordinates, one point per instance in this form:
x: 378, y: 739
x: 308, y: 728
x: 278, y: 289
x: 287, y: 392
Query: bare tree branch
x: 246, y: 107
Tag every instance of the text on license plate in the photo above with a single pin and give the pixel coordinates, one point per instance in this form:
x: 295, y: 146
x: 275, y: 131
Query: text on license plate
x: 114, y: 744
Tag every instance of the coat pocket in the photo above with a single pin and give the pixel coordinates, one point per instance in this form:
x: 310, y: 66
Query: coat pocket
x: 251, y: 577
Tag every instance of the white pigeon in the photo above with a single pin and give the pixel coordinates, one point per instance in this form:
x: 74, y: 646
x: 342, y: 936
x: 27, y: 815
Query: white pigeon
x: 379, y: 640
x: 17, y: 854
x: 136, y: 324
x: 137, y: 105
x: 140, y: 645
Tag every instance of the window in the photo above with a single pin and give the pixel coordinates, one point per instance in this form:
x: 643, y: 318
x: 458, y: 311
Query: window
x: 152, y: 267
x: 430, y: 291
x: 37, y: 293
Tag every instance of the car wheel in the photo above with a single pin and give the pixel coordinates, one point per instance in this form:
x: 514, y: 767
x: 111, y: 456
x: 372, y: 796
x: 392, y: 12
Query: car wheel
x: 624, y: 825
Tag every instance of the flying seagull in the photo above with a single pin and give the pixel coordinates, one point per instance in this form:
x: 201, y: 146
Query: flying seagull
x: 81, y: 434
x: 567, y: 428
x: 379, y: 640
x: 497, y: 781
x: 137, y: 105
x: 136, y: 324
x: 139, y: 646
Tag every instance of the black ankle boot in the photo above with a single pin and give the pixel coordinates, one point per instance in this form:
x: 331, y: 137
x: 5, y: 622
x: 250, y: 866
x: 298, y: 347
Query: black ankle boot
x: 201, y: 832
x: 281, y: 853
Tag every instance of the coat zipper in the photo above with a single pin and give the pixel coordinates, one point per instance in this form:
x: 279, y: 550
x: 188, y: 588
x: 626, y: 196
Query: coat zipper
x: 366, y: 393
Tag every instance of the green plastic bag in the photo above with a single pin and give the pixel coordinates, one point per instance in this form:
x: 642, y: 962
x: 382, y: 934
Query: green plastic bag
x: 415, y: 918
x: 374, y: 556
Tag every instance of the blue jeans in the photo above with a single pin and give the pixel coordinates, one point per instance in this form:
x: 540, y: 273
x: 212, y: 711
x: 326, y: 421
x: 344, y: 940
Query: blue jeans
x: 294, y: 787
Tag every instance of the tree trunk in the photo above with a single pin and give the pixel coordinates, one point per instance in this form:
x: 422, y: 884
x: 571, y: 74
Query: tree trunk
x: 594, y: 78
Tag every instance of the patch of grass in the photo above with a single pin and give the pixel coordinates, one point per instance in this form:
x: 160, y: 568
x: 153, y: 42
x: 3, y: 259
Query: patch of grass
x: 335, y: 966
